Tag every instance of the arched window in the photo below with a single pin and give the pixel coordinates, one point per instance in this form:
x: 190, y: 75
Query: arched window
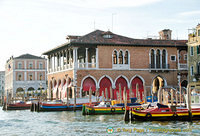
x: 19, y: 65
x: 164, y: 63
x: 120, y: 57
x: 152, y: 59
x: 19, y: 78
x: 158, y: 59
x: 40, y: 77
x: 115, y: 57
x: 126, y: 57
x: 198, y: 68
x: 30, y: 77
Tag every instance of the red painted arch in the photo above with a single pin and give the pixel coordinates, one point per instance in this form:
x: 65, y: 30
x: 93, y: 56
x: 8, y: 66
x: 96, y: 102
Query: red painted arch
x: 138, y: 81
x: 122, y: 81
x: 105, y: 83
x: 87, y: 83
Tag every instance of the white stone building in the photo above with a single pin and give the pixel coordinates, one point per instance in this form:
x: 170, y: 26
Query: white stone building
x: 26, y: 72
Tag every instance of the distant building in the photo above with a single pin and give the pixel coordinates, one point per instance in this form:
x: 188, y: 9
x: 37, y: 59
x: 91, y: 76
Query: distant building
x: 2, y: 82
x: 100, y: 60
x: 26, y: 72
x: 194, y: 58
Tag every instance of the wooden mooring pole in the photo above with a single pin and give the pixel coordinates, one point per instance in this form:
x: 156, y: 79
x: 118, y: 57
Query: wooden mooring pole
x: 126, y: 114
x: 189, y: 103
x: 120, y: 93
x: 74, y: 89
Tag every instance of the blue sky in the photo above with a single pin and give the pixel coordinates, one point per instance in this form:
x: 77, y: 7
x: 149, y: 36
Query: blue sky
x: 35, y: 26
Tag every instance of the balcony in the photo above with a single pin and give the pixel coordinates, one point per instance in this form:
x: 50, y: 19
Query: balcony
x: 86, y: 65
x: 160, y: 68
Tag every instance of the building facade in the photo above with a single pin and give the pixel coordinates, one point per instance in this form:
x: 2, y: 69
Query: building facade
x: 194, y: 58
x: 101, y: 60
x: 25, y: 73
x: 2, y: 83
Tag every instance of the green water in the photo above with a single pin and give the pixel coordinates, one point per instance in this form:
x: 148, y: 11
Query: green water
x: 22, y: 123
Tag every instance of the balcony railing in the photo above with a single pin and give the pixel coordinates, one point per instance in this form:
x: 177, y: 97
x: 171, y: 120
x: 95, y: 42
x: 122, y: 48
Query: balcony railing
x: 153, y: 67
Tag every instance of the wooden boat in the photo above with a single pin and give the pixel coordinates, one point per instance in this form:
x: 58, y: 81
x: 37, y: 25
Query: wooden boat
x: 164, y: 113
x: 18, y: 106
x: 106, y: 108
x: 57, y: 106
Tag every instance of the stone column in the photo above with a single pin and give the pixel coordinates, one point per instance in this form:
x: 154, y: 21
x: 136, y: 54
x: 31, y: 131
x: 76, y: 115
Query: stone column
x: 49, y: 61
x: 54, y: 62
x: 97, y: 58
x: 66, y: 59
x: 75, y: 57
x: 155, y: 58
x: 63, y: 59
x: 160, y: 59
x: 86, y: 57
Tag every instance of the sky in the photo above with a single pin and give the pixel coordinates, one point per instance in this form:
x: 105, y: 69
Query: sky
x: 35, y: 26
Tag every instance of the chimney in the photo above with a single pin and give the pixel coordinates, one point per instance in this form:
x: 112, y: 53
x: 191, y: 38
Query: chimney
x: 165, y: 34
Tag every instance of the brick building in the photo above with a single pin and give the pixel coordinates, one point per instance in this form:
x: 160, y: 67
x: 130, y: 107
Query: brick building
x: 100, y: 60
x: 26, y: 72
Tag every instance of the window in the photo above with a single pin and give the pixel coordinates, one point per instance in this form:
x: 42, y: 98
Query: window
x: 115, y: 57
x: 185, y: 56
x: 19, y: 65
x: 19, y: 77
x: 30, y: 77
x: 126, y: 57
x: 199, y: 32
x: 40, y: 77
x: 191, y: 71
x: 158, y: 59
x: 198, y: 68
x: 164, y: 63
x: 40, y: 65
x: 30, y: 66
x: 191, y: 51
x: 173, y: 58
x: 107, y: 36
x: 120, y: 57
x: 198, y: 49
x: 152, y: 58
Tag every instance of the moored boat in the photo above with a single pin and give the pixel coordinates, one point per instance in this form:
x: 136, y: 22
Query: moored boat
x: 21, y: 105
x: 163, y: 113
x: 107, y: 108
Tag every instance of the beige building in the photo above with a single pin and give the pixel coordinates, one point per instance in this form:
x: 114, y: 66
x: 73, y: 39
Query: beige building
x: 100, y: 60
x: 26, y: 72
x: 194, y: 57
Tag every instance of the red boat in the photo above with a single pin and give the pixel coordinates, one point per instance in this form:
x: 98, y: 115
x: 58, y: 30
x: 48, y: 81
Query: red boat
x: 165, y: 114
x: 18, y: 106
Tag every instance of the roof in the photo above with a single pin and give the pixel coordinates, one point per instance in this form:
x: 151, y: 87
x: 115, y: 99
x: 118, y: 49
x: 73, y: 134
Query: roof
x: 97, y: 38
x: 28, y: 56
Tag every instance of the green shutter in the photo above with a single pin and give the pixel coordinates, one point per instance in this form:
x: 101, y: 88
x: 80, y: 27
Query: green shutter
x: 197, y: 49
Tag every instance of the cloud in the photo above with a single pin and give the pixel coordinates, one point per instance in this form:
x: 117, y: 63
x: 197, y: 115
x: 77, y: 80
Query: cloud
x: 105, y: 3
x: 190, y: 13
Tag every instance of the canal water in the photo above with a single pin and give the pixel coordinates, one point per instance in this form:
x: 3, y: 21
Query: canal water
x: 23, y: 123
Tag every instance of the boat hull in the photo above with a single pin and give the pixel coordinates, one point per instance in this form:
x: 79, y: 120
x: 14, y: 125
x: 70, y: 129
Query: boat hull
x: 181, y: 115
x: 91, y: 110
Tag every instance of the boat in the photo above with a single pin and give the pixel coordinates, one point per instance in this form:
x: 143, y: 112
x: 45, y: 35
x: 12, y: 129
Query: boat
x: 164, y: 113
x: 108, y: 108
x: 59, y: 106
x: 18, y: 105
